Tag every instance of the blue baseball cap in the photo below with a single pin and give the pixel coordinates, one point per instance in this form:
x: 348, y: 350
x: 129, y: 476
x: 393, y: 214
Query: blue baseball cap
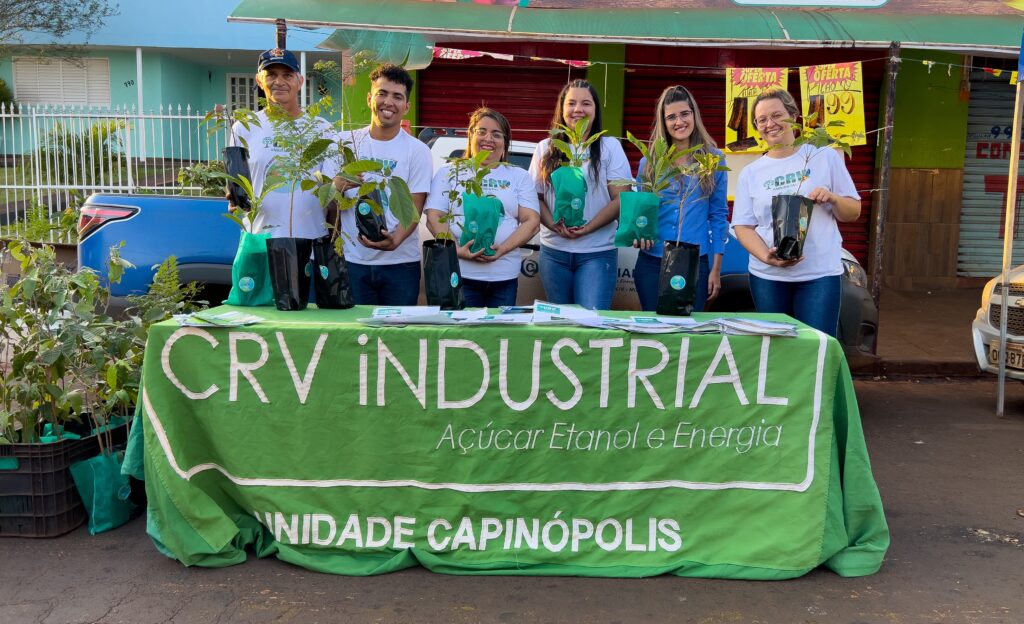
x: 278, y: 56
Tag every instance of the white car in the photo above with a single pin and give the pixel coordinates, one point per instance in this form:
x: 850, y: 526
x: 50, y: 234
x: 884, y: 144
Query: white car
x: 985, y: 328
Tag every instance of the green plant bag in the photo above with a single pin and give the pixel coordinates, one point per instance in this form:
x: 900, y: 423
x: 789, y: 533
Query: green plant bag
x: 638, y: 218
x: 482, y: 216
x: 250, y: 272
x: 104, y: 491
x: 570, y: 195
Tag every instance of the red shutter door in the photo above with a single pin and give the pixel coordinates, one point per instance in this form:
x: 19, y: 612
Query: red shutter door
x: 651, y: 69
x: 522, y: 90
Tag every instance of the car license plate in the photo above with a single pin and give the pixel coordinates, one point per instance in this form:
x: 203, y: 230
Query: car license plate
x: 1014, y: 355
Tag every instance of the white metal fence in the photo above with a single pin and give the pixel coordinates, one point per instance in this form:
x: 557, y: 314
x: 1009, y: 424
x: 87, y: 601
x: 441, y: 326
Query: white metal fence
x: 53, y: 157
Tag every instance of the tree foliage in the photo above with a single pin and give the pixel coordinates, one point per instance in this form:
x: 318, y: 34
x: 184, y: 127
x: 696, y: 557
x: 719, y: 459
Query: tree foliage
x: 53, y: 18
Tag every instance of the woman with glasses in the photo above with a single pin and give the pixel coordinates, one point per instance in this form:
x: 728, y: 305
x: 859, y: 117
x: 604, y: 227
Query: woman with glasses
x: 489, y: 276
x: 705, y: 214
x: 578, y: 264
x: 807, y: 288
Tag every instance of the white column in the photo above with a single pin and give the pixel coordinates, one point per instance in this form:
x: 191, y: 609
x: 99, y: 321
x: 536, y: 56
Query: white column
x: 302, y: 68
x: 138, y: 90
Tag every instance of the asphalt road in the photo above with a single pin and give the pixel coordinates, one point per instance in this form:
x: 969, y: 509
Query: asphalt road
x: 951, y: 476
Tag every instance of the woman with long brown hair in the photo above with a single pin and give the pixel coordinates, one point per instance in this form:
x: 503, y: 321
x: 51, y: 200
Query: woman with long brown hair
x: 578, y: 264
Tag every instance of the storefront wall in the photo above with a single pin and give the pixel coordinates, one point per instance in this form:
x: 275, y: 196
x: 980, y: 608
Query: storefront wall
x: 922, y: 229
x: 986, y: 169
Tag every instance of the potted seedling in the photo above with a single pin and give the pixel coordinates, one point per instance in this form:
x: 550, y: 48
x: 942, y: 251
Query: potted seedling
x: 250, y: 275
x: 72, y: 376
x: 236, y: 155
x: 791, y: 214
x: 680, y: 262
x: 250, y: 270
x: 480, y: 217
x: 303, y: 143
x: 638, y: 211
x: 569, y: 181
x: 375, y: 188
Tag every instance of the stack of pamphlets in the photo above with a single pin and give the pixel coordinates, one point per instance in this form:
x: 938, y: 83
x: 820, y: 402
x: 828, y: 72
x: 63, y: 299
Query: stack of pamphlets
x: 397, y: 316
x: 209, y: 318
x: 544, y: 313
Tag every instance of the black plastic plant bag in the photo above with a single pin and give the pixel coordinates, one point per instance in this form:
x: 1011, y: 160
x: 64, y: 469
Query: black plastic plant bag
x: 330, y: 277
x: 368, y: 221
x: 236, y: 163
x: 677, y: 282
x: 791, y: 215
x: 290, y: 271
x: 442, y: 279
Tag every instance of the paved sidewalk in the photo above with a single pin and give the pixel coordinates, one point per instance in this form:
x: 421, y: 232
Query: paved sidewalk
x: 926, y: 333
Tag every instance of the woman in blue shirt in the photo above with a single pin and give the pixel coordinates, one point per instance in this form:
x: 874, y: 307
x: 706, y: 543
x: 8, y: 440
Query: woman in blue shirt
x: 705, y: 213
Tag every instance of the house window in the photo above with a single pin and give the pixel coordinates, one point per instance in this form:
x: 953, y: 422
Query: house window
x: 241, y: 91
x: 82, y: 82
x: 244, y: 93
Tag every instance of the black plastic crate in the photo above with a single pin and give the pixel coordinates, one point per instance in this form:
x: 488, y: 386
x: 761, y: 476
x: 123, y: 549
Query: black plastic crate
x: 38, y: 497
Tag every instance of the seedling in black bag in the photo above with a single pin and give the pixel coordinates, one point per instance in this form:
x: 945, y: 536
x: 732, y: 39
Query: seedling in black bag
x: 791, y: 213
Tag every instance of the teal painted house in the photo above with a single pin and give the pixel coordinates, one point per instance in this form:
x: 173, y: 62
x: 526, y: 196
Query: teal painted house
x: 156, y: 54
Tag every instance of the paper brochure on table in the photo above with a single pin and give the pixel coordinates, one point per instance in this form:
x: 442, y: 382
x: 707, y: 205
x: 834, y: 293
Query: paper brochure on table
x: 206, y: 318
x: 545, y: 313
x: 421, y: 315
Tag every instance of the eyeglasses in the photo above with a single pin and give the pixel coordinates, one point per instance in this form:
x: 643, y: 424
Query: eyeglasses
x: 683, y: 116
x: 496, y: 135
x: 776, y: 117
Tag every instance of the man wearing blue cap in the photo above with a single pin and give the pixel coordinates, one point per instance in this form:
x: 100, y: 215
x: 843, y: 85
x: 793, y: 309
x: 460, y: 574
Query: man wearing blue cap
x: 279, y: 77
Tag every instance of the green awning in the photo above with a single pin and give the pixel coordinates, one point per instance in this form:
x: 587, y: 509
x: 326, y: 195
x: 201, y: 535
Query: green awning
x: 965, y: 32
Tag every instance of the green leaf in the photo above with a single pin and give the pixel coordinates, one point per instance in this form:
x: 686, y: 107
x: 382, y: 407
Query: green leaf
x: 315, y: 151
x: 362, y: 166
x: 400, y: 202
x: 325, y: 193
x: 111, y: 376
x: 307, y: 185
x: 238, y: 221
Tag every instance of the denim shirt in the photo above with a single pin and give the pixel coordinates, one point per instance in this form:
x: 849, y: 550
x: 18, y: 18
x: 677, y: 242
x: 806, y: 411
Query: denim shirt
x: 705, y: 218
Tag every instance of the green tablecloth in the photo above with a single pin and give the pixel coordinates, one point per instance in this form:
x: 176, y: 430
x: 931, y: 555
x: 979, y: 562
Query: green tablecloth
x: 506, y: 450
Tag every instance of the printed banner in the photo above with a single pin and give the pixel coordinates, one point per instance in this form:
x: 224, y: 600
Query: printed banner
x: 742, y: 86
x: 835, y: 92
x: 526, y: 450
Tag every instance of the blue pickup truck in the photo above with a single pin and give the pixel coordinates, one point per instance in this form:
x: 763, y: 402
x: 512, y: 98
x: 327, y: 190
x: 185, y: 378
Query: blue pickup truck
x: 193, y: 229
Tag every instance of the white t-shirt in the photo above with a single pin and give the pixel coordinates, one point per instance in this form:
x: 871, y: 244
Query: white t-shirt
x: 766, y: 177
x: 614, y: 166
x: 514, y: 187
x: 307, y: 214
x: 409, y: 159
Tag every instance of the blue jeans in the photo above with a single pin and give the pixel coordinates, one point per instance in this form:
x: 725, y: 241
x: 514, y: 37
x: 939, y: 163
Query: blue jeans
x: 385, y: 284
x: 482, y: 294
x: 647, y: 272
x: 586, y: 279
x: 814, y: 302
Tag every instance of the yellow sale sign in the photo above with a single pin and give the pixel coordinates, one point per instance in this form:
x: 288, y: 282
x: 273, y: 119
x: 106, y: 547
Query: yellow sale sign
x: 742, y: 85
x: 831, y: 93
